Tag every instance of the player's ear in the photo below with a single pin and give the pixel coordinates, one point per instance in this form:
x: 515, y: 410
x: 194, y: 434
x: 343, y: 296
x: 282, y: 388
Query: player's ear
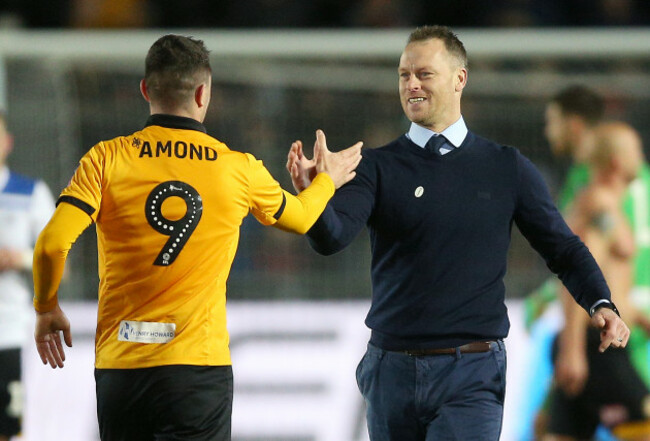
x: 202, y: 95
x: 143, y: 90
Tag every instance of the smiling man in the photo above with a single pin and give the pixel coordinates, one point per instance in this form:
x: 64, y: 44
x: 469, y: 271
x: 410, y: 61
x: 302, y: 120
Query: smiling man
x: 439, y: 203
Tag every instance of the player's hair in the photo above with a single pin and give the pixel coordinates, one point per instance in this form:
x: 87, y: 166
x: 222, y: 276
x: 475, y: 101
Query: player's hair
x: 453, y: 45
x: 174, y: 67
x: 582, y: 101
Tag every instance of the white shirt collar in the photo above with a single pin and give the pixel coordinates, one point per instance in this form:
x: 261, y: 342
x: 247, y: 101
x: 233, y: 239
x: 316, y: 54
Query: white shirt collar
x: 4, y: 177
x: 455, y: 133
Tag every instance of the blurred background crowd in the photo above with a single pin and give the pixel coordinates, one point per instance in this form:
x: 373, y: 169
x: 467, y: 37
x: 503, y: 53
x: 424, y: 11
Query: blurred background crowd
x: 321, y: 13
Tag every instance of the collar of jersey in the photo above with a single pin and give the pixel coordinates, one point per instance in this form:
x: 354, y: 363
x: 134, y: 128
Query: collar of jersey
x: 175, y: 122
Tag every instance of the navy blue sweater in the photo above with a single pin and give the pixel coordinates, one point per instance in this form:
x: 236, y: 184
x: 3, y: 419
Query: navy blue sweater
x: 440, y: 231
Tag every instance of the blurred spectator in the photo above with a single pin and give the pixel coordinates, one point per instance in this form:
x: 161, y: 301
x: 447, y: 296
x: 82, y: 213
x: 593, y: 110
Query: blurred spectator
x: 34, y: 13
x: 109, y: 14
x: 382, y: 13
x: 322, y: 13
x: 25, y: 207
x: 270, y: 13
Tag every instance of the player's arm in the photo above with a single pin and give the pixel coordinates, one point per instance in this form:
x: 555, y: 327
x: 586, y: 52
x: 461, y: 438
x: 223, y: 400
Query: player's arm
x: 51, y: 251
x: 346, y: 213
x: 571, y: 367
x: 301, y: 211
x: 77, y: 209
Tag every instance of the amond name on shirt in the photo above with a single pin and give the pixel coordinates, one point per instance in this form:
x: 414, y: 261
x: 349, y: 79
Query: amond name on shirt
x: 178, y: 149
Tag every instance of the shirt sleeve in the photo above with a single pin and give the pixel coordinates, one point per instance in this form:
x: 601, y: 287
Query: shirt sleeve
x: 348, y: 211
x: 300, y: 212
x: 266, y: 198
x: 85, y: 188
x: 51, y: 251
x: 543, y: 226
x: 40, y: 211
x: 271, y: 205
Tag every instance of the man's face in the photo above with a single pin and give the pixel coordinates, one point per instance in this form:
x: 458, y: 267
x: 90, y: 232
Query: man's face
x: 556, y: 130
x: 430, y: 84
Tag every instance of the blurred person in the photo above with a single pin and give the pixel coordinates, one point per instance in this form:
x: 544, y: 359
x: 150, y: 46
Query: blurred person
x: 270, y: 13
x: 26, y: 205
x: 590, y: 387
x: 439, y: 203
x: 110, y: 13
x: 168, y: 202
x: 382, y: 13
x: 571, y: 117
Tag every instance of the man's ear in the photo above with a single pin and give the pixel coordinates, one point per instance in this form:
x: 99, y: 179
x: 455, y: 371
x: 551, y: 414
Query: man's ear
x: 200, y: 95
x: 461, y: 79
x: 143, y: 90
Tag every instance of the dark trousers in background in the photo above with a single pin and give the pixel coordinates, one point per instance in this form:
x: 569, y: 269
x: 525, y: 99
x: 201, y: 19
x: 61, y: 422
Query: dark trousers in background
x: 434, y: 397
x: 165, y: 403
x: 10, y: 392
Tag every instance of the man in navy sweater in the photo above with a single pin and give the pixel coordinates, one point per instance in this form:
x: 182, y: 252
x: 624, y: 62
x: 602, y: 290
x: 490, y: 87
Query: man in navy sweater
x: 439, y: 203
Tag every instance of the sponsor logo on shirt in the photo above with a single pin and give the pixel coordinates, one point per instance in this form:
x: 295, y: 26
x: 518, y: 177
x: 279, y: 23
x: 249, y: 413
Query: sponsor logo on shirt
x: 146, y: 332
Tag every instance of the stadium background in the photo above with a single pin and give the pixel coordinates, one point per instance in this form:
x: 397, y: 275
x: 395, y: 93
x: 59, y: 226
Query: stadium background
x: 281, y: 70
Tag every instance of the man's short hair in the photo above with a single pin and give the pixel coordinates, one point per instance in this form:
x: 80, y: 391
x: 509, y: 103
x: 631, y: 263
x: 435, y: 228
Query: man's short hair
x: 453, y: 45
x: 582, y: 101
x: 174, y: 67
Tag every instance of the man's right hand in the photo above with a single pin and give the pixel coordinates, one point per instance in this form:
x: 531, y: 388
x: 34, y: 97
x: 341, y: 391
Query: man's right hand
x: 339, y: 166
x: 47, y: 335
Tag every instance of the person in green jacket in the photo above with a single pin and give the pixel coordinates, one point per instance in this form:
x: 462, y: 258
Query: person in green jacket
x: 572, y: 116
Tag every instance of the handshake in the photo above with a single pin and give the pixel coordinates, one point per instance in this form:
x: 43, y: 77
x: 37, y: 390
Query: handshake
x: 339, y: 166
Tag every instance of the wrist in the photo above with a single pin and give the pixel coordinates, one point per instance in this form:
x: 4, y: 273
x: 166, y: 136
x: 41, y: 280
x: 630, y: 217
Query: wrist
x: 604, y: 304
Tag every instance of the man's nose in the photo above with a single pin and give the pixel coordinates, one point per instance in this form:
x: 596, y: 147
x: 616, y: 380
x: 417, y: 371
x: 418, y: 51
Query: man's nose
x: 413, y: 83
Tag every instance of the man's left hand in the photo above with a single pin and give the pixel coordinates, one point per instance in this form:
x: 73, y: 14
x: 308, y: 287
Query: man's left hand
x: 613, y: 330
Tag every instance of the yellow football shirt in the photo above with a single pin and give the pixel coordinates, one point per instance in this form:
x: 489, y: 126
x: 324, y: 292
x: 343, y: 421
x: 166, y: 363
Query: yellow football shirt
x: 168, y: 202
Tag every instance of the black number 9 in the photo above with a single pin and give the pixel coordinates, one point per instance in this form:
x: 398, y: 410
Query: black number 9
x: 179, y: 231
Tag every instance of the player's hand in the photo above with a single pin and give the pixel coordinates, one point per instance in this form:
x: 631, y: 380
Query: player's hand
x: 339, y: 166
x: 613, y: 331
x: 301, y: 169
x: 571, y: 369
x: 47, y: 335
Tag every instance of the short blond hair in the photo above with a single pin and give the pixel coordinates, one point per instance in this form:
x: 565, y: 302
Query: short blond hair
x: 452, y: 43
